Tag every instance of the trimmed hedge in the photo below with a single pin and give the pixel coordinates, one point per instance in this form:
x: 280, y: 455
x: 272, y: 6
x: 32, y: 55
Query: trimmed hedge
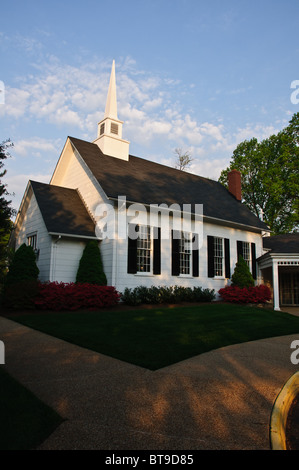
x: 246, y: 295
x: 158, y: 295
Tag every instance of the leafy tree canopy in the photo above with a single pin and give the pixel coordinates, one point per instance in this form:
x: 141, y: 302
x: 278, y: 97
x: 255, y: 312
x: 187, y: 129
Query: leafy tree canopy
x: 270, y: 177
x: 6, y: 211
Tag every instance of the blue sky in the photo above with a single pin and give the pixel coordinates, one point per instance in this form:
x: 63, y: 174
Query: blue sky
x: 199, y: 75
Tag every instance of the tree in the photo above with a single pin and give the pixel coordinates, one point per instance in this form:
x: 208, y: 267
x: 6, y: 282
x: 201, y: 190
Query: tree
x: 270, y: 177
x: 183, y: 160
x: 242, y: 277
x: 6, y: 211
x: 90, y: 267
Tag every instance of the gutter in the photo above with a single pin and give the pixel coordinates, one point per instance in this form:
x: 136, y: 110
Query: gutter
x: 70, y: 235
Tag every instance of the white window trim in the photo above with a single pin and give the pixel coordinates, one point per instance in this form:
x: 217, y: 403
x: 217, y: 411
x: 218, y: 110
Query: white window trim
x: 187, y: 275
x: 222, y: 276
x: 150, y: 272
x: 247, y: 260
x: 31, y: 235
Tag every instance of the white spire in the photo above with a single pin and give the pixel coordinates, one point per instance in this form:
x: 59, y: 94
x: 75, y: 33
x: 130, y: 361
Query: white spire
x: 111, y: 103
x: 109, y: 137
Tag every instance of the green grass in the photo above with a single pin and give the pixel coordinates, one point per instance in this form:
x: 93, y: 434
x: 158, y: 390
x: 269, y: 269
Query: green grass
x: 25, y: 422
x: 158, y: 337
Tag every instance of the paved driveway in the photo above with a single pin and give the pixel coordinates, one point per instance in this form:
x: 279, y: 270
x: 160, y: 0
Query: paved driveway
x: 218, y: 400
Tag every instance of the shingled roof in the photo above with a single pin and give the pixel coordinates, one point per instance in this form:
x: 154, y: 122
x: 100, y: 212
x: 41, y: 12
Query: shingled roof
x: 285, y: 243
x: 63, y: 210
x: 148, y: 182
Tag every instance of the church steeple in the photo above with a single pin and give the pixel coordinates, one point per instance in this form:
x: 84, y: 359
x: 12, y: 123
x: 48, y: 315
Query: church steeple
x: 111, y: 102
x: 110, y: 128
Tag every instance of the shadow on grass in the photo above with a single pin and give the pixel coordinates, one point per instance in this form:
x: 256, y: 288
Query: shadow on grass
x: 25, y: 421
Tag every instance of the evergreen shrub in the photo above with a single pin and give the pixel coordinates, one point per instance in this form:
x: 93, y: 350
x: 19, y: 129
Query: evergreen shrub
x: 21, y: 284
x: 23, y: 266
x: 242, y: 277
x: 90, y: 268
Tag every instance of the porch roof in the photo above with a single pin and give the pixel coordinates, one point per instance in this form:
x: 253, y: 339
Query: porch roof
x: 286, y: 243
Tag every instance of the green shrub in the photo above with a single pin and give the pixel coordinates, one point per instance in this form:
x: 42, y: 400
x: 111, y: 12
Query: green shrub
x: 20, y: 285
x: 90, y: 268
x: 164, y: 294
x: 131, y: 297
x: 203, y: 295
x: 242, y: 277
x: 20, y: 295
x: 23, y: 266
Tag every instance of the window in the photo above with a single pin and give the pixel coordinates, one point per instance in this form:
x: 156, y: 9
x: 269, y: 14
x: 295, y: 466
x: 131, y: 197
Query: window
x: 185, y: 253
x: 248, y: 252
x: 102, y: 129
x: 144, y: 249
x: 218, y: 256
x: 32, y: 240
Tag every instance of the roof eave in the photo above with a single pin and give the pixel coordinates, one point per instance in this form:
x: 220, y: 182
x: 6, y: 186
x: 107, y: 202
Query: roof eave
x: 72, y: 235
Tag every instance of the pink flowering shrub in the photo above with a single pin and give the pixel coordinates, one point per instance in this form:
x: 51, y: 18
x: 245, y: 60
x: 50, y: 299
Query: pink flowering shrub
x: 73, y: 296
x: 246, y: 295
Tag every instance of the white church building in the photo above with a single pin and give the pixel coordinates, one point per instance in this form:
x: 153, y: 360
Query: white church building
x: 155, y: 225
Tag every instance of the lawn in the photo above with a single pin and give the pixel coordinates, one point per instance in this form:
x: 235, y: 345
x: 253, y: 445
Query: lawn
x: 25, y: 420
x: 157, y: 337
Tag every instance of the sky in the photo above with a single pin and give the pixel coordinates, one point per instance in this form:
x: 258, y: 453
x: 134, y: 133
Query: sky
x: 198, y: 75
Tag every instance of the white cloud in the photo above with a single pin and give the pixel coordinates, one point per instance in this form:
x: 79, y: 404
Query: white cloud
x: 17, y: 183
x: 36, y: 147
x: 16, y: 102
x: 153, y: 114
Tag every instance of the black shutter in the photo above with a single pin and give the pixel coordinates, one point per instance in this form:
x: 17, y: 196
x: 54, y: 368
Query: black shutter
x: 253, y: 260
x: 175, y: 255
x: 227, y: 258
x: 195, y: 256
x: 157, y: 251
x: 132, y: 251
x: 239, y: 250
x: 210, y: 256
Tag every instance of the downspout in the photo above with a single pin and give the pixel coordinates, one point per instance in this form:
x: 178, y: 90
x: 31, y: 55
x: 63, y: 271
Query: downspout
x: 53, y: 264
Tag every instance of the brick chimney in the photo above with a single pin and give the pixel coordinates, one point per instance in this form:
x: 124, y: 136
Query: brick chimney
x: 234, y: 184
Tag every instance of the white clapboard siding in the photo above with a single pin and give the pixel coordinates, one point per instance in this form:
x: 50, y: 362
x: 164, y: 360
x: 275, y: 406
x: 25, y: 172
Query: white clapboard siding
x: 33, y: 223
